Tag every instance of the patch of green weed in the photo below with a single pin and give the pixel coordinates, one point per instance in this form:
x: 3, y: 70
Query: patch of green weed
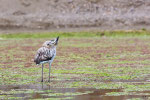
x: 77, y: 34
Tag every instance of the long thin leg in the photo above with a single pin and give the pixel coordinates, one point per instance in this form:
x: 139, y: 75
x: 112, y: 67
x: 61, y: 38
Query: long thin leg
x: 42, y: 73
x: 49, y: 71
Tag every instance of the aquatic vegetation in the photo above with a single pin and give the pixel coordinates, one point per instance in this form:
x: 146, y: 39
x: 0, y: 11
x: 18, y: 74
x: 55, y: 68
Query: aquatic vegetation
x: 97, y: 62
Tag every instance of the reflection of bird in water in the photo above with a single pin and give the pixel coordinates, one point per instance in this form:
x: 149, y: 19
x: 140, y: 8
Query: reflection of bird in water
x: 46, y: 54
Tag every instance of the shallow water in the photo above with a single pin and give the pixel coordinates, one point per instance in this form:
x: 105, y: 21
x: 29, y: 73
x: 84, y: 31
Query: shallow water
x: 40, y: 91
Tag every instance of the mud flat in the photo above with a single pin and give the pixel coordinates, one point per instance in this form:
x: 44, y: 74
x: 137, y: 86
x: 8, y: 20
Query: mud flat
x: 97, y: 67
x: 48, y: 15
x: 40, y: 91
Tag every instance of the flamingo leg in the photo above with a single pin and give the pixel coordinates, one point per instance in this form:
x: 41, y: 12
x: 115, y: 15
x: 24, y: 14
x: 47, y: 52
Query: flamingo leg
x: 49, y: 71
x: 42, y: 73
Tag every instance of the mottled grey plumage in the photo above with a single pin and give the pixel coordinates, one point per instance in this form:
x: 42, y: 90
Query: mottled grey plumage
x: 46, y: 54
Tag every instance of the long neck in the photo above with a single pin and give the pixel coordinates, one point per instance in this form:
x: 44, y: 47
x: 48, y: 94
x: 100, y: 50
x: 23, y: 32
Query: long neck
x: 53, y: 50
x: 53, y: 53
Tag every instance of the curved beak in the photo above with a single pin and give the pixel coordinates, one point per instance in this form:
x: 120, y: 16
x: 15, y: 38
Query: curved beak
x: 56, y: 42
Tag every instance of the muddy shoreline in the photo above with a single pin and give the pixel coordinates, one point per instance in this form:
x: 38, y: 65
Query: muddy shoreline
x: 70, y: 15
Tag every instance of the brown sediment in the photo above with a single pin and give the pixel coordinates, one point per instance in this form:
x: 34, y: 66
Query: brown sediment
x: 73, y: 15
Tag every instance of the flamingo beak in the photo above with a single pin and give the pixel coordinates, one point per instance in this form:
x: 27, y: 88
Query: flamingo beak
x: 57, y: 40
